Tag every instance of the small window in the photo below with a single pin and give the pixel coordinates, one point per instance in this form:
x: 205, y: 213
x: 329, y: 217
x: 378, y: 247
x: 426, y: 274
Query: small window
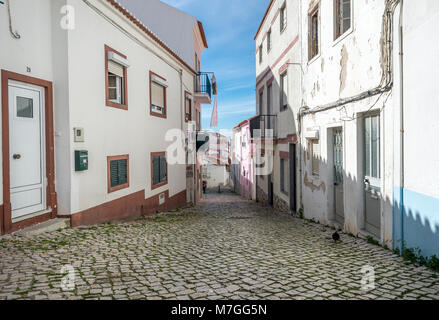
x: 116, y: 79
x: 260, y: 53
x: 342, y: 17
x: 315, y: 152
x: 159, y: 169
x: 261, y: 103
x: 284, y: 91
x: 25, y: 107
x: 269, y: 40
x: 158, y: 95
x: 188, y: 109
x: 313, y: 36
x: 283, y: 17
x: 118, y: 172
x: 284, y: 176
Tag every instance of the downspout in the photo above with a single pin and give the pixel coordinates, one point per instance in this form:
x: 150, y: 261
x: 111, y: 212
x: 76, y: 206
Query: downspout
x: 401, y: 119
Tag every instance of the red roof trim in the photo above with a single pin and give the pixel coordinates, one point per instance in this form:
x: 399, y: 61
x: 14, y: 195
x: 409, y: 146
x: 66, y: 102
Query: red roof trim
x: 263, y: 19
x: 134, y: 20
x: 203, y: 35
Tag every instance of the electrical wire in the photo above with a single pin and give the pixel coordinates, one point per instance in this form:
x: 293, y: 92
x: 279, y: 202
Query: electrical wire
x: 15, y: 34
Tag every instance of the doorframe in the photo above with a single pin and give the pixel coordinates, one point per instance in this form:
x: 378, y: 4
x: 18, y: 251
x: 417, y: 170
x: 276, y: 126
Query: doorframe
x: 6, y: 225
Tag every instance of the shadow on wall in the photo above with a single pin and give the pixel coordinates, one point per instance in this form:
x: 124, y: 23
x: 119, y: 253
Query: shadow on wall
x: 416, y: 226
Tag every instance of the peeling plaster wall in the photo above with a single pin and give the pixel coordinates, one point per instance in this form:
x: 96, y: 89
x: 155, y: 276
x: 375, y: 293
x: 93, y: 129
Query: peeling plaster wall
x: 346, y: 67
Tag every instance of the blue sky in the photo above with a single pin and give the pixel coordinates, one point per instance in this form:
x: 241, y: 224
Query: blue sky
x: 230, y: 26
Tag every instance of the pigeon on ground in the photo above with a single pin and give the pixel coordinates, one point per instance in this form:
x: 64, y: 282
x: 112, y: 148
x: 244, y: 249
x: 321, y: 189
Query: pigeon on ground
x: 335, y: 236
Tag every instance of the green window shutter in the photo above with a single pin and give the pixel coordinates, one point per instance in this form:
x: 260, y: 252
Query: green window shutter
x: 156, y: 170
x: 114, y: 173
x: 123, y: 174
x: 162, y: 168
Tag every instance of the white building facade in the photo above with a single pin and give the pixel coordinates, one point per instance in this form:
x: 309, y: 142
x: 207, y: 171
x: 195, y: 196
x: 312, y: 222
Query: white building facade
x: 278, y: 72
x: 98, y: 93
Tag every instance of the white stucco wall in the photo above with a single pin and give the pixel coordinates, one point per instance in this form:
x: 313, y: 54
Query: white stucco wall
x: 343, y: 68
x: 74, y: 61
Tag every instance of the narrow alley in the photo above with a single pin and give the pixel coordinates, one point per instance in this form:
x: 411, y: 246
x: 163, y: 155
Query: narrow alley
x: 226, y: 248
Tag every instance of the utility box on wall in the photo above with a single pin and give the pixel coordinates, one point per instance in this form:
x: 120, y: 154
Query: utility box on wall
x: 81, y: 160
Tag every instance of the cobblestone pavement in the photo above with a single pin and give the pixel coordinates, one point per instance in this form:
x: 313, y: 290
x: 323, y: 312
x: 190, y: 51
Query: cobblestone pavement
x: 226, y: 248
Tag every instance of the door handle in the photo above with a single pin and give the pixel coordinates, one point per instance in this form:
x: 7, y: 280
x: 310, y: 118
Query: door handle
x: 16, y: 156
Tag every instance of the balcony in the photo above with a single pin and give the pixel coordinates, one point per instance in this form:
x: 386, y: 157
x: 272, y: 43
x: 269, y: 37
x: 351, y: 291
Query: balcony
x: 267, y: 124
x: 203, y: 88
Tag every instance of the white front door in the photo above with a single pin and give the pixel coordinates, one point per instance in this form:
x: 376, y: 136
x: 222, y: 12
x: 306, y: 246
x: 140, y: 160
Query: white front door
x: 26, y: 149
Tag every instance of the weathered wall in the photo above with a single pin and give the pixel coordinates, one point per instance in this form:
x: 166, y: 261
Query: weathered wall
x: 344, y: 68
x: 284, y: 56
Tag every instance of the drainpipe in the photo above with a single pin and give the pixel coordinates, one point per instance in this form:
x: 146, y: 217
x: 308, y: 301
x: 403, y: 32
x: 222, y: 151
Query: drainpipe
x: 401, y: 119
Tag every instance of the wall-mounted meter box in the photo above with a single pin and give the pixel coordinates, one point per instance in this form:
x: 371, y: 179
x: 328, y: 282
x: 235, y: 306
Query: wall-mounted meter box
x: 81, y: 160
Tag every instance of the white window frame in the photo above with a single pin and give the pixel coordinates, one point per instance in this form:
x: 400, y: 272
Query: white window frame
x: 342, y: 36
x: 118, y: 88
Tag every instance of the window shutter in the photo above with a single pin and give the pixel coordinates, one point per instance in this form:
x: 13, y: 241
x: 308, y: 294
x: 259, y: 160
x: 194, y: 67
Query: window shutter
x: 114, y: 173
x: 156, y: 170
x: 123, y: 168
x: 115, y: 68
x: 158, y: 95
x: 163, y: 169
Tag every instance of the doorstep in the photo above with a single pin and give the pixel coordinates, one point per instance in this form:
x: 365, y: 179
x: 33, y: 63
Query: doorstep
x: 43, y: 227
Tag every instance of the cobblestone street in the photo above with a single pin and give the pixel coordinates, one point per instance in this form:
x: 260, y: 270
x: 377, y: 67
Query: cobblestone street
x: 226, y: 248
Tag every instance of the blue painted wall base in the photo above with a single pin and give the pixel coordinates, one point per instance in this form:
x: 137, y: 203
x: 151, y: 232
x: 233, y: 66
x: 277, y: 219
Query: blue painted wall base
x: 418, y: 225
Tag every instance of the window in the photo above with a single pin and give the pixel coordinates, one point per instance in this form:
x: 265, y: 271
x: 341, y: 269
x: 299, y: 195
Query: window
x: 187, y: 107
x: 269, y: 40
x: 118, y: 172
x: 313, y: 35
x: 116, y: 79
x: 283, y: 17
x: 284, y: 176
x: 159, y: 170
x: 342, y: 11
x: 372, y: 144
x: 260, y: 54
x: 157, y: 87
x: 261, y: 102
x: 269, y: 91
x: 284, y: 91
x: 315, y: 152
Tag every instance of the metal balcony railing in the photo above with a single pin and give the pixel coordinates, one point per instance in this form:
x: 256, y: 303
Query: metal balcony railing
x: 203, y: 84
x: 267, y: 124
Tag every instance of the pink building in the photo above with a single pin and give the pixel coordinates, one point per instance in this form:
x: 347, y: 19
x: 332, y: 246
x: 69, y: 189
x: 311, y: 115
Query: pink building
x: 243, y: 162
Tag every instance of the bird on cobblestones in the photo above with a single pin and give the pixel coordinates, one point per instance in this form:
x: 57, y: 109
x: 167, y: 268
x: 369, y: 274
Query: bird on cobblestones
x: 335, y: 236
